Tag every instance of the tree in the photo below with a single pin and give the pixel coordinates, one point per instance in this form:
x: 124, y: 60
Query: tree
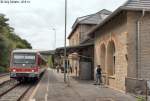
x: 9, y: 41
x: 3, y: 21
x: 4, y: 52
x: 50, y: 61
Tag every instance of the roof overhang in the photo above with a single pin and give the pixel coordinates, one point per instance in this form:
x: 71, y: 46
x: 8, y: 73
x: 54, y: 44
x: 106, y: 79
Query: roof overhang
x: 48, y: 52
x: 73, y: 48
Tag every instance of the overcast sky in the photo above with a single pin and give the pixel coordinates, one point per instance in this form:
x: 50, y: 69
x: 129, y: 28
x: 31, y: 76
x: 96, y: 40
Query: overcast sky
x: 34, y: 21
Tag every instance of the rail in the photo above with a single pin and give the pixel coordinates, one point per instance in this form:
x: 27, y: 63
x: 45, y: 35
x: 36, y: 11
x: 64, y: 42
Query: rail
x: 4, y: 74
x: 14, y: 91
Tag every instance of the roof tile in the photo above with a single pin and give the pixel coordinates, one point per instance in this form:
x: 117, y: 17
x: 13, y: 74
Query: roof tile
x: 137, y: 4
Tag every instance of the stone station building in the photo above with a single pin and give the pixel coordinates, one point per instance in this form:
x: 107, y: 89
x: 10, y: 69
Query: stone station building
x: 122, y: 46
x: 79, y: 37
x: 81, y: 46
x: 118, y: 41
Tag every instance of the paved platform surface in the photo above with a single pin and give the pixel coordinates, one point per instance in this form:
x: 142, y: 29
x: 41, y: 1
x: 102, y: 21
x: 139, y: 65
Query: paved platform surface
x: 52, y: 88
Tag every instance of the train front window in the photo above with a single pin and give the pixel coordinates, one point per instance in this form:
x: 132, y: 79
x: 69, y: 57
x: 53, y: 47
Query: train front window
x: 24, y: 58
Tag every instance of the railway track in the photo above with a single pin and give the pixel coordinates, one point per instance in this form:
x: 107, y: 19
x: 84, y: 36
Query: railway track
x: 12, y: 90
x: 7, y: 86
x: 16, y: 93
x: 4, y: 74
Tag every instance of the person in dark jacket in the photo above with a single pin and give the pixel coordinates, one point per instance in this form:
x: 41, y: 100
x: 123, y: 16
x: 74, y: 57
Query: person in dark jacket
x: 98, y: 75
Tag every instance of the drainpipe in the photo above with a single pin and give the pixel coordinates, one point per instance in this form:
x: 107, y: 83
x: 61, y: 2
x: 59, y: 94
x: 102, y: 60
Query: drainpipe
x: 138, y: 45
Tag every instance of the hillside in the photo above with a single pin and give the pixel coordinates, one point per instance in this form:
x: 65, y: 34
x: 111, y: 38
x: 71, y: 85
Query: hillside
x: 9, y: 41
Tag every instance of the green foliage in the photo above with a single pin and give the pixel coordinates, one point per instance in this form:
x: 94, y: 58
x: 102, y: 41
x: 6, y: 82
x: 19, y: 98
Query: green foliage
x: 3, y: 22
x: 4, y: 52
x: 26, y: 44
x: 50, y: 62
x: 9, y: 41
x: 140, y: 98
x: 2, y: 69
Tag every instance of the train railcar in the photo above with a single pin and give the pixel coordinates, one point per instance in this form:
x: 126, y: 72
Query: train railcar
x: 26, y: 64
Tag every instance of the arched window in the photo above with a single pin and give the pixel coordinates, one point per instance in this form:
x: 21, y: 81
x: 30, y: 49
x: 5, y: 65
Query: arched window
x: 102, y: 56
x: 111, y: 58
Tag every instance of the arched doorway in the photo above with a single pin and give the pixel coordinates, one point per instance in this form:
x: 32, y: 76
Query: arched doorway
x: 74, y: 63
x: 111, y: 58
x: 103, y: 57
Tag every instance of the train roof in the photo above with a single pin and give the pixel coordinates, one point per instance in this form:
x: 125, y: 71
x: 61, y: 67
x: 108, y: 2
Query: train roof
x: 25, y: 51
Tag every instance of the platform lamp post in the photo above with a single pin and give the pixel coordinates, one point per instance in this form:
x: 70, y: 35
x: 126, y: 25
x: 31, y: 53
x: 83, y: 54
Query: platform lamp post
x: 65, y: 52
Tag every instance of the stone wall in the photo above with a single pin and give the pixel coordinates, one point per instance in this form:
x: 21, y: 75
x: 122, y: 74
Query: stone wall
x: 75, y: 38
x: 143, y: 68
x: 136, y: 86
x: 144, y: 52
x: 114, y: 31
x: 80, y: 34
x: 84, y: 29
x: 130, y: 61
x: 131, y: 26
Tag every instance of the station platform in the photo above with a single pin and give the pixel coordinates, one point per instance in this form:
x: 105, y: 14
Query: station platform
x: 52, y: 88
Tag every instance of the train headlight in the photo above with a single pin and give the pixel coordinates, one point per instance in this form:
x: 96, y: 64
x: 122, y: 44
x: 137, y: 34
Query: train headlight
x: 32, y: 70
x: 14, y: 70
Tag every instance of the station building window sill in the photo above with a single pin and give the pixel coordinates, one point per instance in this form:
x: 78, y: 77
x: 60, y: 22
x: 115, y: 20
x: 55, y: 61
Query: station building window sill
x: 112, y: 77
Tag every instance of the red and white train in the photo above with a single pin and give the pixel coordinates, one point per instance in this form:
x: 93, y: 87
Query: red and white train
x: 26, y: 64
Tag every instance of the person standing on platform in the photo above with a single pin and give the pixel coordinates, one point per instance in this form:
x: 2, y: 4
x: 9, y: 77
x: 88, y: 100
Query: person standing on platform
x: 57, y: 67
x: 76, y: 70
x: 98, y: 75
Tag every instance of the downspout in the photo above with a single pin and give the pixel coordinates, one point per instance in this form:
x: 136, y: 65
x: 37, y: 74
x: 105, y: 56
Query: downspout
x: 138, y: 45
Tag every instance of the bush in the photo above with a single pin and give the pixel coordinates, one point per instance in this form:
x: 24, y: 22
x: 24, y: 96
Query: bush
x: 2, y: 69
x: 140, y: 98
